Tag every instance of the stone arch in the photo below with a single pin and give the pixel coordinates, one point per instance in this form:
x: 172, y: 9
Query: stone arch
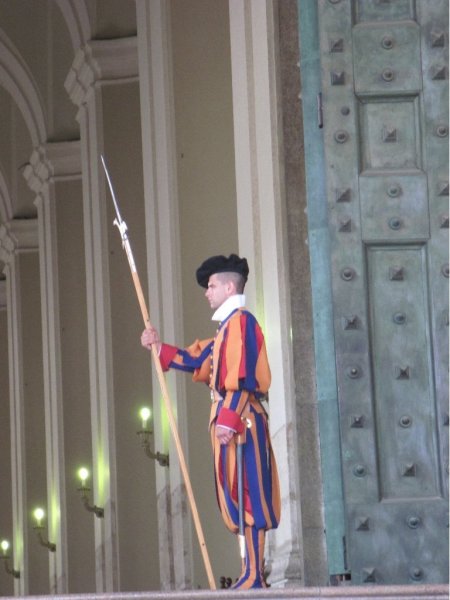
x: 77, y: 20
x: 16, y: 78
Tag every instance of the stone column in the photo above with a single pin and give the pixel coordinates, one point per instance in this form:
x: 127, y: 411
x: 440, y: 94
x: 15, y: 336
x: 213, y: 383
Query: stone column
x: 304, y: 336
x: 163, y: 259
x: 260, y: 202
x: 54, y: 174
x: 18, y: 250
x: 103, y: 84
x: 6, y: 583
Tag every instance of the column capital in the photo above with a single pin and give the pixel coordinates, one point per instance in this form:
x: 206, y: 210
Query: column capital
x: 101, y: 60
x: 16, y: 236
x: 51, y: 161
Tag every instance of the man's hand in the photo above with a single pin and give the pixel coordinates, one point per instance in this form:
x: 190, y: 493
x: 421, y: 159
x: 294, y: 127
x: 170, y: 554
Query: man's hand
x: 149, y: 337
x: 223, y: 434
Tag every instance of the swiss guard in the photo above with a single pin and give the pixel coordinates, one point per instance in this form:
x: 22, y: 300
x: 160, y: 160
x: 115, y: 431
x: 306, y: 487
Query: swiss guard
x: 235, y: 367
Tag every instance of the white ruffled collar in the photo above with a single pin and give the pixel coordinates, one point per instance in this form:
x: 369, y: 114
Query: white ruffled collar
x: 230, y: 304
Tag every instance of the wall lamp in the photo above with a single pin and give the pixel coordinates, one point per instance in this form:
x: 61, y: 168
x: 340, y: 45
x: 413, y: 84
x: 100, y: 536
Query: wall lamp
x: 84, y: 490
x: 39, y: 515
x: 145, y: 433
x: 4, y: 545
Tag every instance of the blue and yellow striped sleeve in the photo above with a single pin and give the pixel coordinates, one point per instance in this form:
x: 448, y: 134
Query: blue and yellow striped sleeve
x: 195, y: 359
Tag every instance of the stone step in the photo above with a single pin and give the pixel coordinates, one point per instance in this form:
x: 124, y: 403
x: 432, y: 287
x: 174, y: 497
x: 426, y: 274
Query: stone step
x: 382, y: 592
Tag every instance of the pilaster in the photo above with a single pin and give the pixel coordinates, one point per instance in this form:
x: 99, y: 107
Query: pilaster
x: 6, y: 520
x: 163, y: 260
x: 2, y: 294
x: 49, y: 174
x: 96, y: 64
x: 19, y: 237
x: 18, y: 483
x: 257, y: 134
x: 103, y: 84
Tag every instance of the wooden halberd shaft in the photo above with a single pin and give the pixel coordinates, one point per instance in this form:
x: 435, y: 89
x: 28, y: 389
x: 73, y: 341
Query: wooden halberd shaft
x: 162, y: 382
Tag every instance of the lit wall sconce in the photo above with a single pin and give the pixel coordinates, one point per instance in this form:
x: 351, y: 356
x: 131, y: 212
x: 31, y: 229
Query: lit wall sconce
x: 4, y: 545
x: 145, y: 433
x: 84, y: 490
x: 39, y: 515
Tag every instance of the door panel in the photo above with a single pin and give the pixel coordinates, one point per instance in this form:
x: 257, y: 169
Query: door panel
x: 383, y: 10
x: 385, y: 101
x: 389, y: 134
x: 387, y: 58
x: 403, y: 398
x: 394, y: 208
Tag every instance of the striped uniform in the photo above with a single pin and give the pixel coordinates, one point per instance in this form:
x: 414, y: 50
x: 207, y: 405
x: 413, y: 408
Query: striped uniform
x: 234, y: 364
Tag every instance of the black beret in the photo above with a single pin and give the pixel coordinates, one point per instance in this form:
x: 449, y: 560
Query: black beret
x: 221, y: 264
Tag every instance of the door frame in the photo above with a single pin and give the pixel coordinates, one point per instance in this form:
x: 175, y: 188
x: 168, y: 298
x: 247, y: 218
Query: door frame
x: 322, y: 299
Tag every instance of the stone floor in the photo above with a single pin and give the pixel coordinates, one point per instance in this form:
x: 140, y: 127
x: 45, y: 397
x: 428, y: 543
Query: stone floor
x: 410, y: 592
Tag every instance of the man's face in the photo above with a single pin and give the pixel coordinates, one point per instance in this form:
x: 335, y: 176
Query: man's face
x: 218, y: 291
